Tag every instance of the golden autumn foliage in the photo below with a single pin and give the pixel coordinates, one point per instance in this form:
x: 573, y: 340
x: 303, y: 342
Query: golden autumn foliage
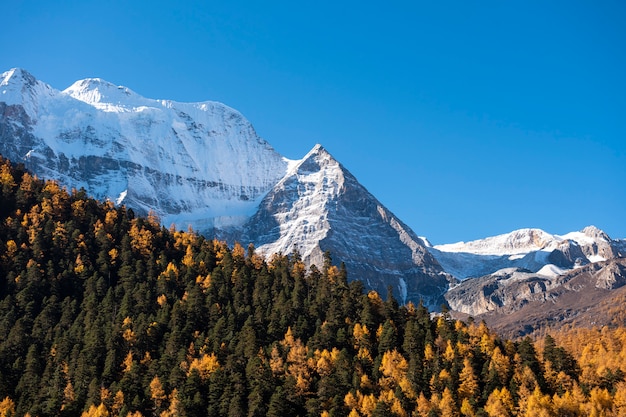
x: 500, y: 403
x: 157, y: 393
x: 96, y: 411
x: 141, y: 238
x: 205, y: 365
x: 7, y: 407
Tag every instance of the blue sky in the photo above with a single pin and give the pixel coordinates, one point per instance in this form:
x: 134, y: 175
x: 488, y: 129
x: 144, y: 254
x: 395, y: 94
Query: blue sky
x: 466, y: 120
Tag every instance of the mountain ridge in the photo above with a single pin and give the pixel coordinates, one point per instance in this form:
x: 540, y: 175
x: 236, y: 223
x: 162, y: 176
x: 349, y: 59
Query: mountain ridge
x: 531, y: 249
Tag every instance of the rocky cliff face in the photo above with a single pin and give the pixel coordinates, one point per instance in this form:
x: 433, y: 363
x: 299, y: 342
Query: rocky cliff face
x: 510, y: 290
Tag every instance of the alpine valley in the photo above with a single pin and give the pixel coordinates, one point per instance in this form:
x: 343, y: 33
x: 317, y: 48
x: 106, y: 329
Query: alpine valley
x: 202, y: 165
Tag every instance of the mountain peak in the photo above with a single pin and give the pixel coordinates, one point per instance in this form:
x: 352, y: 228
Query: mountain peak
x: 594, y: 232
x: 17, y: 76
x: 97, y: 91
x: 317, y: 150
x: 319, y: 205
x: 18, y: 86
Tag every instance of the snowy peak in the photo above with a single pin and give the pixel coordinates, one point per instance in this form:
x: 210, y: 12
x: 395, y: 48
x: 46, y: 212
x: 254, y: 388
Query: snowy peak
x: 316, y: 159
x: 297, y: 207
x: 17, y: 76
x: 96, y: 91
x: 18, y: 86
x: 595, y: 233
x: 199, y: 164
x: 319, y: 166
x: 319, y: 205
x: 317, y: 149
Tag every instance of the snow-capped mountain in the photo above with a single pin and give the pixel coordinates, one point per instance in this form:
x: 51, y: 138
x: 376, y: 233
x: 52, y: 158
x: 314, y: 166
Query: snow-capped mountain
x: 192, y: 163
x: 202, y: 164
x: 320, y: 206
x: 527, y: 266
x: 531, y: 249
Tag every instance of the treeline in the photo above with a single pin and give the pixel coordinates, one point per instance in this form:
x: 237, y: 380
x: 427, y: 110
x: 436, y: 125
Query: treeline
x: 103, y: 313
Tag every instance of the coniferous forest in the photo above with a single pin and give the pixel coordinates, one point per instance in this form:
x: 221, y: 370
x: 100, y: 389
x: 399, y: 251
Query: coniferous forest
x: 104, y: 313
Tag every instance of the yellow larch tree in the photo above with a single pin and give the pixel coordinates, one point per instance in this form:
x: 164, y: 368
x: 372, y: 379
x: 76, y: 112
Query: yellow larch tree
x: 96, y: 411
x: 423, y: 406
x: 118, y: 403
x: 500, y: 403
x: 298, y: 366
x: 205, y: 365
x: 447, y: 405
x: 128, y: 362
x: 361, y: 336
x: 7, y: 407
x: 188, y: 259
x: 277, y: 364
x: 449, y: 353
x: 368, y: 404
x: 467, y: 409
x: 6, y: 179
x: 157, y: 393
x: 140, y: 238
x: 537, y: 405
x: 468, y: 387
x: 500, y: 364
x: 393, y: 367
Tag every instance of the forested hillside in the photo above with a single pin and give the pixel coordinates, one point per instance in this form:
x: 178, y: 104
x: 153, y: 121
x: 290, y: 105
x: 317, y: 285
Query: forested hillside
x: 106, y: 314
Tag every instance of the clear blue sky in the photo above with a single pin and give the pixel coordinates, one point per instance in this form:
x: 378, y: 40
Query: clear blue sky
x: 466, y: 120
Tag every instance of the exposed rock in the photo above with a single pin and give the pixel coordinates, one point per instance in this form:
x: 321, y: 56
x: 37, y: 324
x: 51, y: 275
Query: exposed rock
x: 567, y: 255
x: 517, y: 303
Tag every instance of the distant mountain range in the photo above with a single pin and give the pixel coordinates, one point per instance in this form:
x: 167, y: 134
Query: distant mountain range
x: 203, y: 165
x: 528, y: 279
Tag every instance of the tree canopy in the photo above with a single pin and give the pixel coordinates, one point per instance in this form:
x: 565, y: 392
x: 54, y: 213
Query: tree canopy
x: 106, y: 313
